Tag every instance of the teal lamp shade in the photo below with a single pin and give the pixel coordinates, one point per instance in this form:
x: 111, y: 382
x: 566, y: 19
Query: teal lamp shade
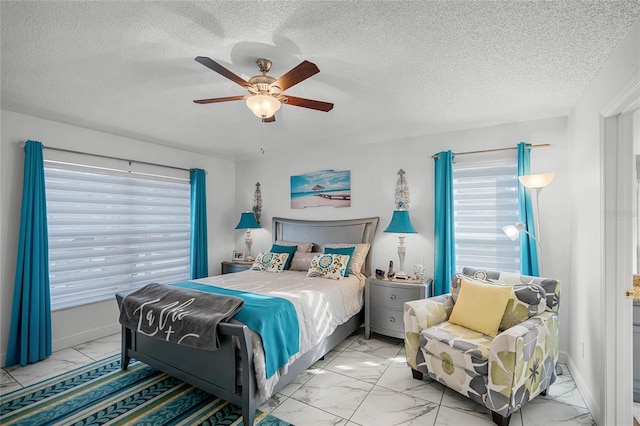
x: 247, y: 221
x: 401, y: 223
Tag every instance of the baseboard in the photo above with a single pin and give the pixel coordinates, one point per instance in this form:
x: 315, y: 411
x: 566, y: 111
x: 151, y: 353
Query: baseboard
x: 85, y: 336
x: 77, y: 339
x: 584, y: 390
x: 562, y: 357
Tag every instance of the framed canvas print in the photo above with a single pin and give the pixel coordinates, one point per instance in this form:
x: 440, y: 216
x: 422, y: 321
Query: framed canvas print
x: 323, y: 188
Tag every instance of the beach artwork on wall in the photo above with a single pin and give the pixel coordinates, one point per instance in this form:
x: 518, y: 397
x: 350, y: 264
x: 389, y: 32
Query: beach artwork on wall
x: 323, y: 188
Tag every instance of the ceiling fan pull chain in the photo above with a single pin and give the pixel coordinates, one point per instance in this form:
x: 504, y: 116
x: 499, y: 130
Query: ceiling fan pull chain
x: 261, y: 137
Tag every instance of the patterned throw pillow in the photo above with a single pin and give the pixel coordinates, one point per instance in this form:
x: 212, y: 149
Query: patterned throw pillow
x: 526, y: 300
x: 284, y: 249
x: 270, y: 262
x: 342, y: 250
x: 359, y: 255
x: 331, y: 266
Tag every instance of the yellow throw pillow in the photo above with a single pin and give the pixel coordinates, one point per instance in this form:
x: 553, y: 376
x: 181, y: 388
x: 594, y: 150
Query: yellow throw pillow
x: 480, y: 307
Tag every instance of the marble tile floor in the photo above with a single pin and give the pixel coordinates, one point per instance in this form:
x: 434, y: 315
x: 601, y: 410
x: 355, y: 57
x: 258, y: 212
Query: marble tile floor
x: 361, y: 382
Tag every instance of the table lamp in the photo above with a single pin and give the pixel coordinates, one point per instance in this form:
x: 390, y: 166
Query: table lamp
x: 401, y: 224
x: 248, y: 221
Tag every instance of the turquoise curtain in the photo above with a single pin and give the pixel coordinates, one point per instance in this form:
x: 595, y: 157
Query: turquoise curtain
x: 199, y: 246
x: 30, y: 329
x: 444, y: 238
x: 528, y: 248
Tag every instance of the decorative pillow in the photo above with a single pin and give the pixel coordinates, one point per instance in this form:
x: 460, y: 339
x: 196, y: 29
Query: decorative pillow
x: 456, y: 282
x: 525, y: 301
x: 332, y: 266
x: 480, y: 307
x: 303, y: 247
x: 301, y: 261
x: 270, y: 262
x: 342, y: 250
x: 284, y: 249
x: 550, y: 286
x: 359, y: 255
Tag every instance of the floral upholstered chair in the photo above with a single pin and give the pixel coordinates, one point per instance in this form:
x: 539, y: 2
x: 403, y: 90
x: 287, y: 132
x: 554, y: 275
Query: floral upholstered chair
x: 494, y: 338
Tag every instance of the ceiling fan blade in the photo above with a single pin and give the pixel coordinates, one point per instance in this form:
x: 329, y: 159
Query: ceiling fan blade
x: 301, y: 72
x: 214, y: 66
x: 307, y: 103
x: 269, y: 119
x: 216, y: 100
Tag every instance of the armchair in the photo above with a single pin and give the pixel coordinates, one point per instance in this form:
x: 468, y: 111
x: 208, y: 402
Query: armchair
x: 504, y: 371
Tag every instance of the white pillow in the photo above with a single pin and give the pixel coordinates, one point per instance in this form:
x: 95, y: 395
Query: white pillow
x: 328, y: 265
x: 358, y: 258
x: 270, y: 262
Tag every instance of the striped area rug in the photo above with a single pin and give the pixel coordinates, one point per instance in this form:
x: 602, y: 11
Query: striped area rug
x: 101, y: 394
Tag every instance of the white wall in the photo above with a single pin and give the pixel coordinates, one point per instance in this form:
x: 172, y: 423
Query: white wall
x: 374, y: 170
x: 585, y: 314
x: 80, y: 324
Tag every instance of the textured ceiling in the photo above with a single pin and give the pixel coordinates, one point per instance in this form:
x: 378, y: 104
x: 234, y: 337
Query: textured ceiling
x: 392, y: 69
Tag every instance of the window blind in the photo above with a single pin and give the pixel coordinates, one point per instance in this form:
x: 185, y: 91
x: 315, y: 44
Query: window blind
x: 110, y: 232
x: 485, y: 200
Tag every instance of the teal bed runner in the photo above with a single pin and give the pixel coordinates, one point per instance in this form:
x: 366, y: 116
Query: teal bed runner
x: 273, y: 318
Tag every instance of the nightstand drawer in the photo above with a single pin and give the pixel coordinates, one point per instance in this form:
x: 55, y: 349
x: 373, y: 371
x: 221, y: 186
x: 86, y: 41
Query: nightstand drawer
x: 393, y: 296
x: 231, y: 267
x: 387, y: 319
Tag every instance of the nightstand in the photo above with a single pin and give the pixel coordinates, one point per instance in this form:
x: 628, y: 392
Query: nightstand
x: 384, y: 304
x: 231, y: 267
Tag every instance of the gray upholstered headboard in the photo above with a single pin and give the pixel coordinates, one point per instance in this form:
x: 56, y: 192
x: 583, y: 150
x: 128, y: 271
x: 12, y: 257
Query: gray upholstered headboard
x: 320, y: 232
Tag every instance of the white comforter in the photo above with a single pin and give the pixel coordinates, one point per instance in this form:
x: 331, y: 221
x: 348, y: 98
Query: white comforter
x: 321, y: 304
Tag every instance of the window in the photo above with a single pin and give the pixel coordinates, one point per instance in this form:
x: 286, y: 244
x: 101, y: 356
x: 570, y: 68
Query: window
x: 112, y: 232
x: 486, y: 199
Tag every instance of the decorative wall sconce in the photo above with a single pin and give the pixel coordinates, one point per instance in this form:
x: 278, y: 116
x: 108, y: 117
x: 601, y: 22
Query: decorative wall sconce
x: 257, y: 202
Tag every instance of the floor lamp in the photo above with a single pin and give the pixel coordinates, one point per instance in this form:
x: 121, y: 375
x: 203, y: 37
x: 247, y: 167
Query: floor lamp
x: 536, y: 183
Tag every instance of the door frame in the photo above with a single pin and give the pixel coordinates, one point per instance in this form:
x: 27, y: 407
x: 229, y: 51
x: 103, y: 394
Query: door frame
x: 617, y: 159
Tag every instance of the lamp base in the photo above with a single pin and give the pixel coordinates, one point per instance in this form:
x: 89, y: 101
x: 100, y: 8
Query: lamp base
x: 401, y: 276
x: 249, y: 258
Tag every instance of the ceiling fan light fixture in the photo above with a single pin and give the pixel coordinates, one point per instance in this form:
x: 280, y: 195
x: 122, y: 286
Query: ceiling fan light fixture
x: 263, y: 106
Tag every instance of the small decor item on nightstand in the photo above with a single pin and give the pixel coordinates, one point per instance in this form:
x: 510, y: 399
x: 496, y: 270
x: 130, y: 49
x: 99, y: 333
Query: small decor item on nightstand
x: 248, y: 222
x: 380, y: 274
x: 238, y: 256
x: 418, y: 272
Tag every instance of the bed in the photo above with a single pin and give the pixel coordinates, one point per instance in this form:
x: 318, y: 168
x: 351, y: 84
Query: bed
x: 230, y: 371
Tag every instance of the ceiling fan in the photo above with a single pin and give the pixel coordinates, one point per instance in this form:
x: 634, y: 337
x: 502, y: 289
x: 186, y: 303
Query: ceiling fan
x: 265, y: 92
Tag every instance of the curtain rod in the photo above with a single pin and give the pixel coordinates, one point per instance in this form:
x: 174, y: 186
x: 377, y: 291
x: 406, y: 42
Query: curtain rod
x: 22, y: 144
x: 542, y: 145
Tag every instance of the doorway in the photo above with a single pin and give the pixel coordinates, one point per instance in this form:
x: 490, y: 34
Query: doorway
x: 619, y: 219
